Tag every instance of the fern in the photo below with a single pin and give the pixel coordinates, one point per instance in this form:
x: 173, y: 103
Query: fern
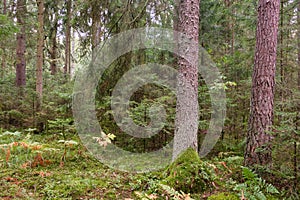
x: 248, y: 174
x: 254, y: 187
x: 175, y: 194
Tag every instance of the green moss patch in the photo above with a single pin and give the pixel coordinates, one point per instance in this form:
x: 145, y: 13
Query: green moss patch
x: 189, y: 174
x: 223, y: 196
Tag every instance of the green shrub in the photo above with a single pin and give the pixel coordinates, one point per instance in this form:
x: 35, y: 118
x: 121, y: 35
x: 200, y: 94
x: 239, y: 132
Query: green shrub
x: 15, y: 117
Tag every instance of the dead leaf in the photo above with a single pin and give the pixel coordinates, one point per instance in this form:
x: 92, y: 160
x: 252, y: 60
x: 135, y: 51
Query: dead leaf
x: 7, y: 154
x: 44, y: 174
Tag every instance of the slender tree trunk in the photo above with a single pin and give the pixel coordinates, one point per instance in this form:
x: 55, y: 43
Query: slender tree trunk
x: 186, y: 122
x: 95, y: 26
x: 282, y: 72
x: 40, y: 54
x: 68, y: 38
x: 95, y: 37
x: 21, y: 44
x: 4, y: 7
x: 258, y: 147
x: 3, y: 64
x: 232, y: 26
x: 53, y: 51
x: 229, y: 49
x: 228, y: 31
x: 73, y: 66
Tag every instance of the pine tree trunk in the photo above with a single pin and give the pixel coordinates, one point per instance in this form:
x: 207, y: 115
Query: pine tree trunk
x: 53, y: 40
x: 4, y: 7
x: 40, y: 54
x: 95, y: 36
x: 298, y: 19
x: 21, y: 44
x: 296, y: 168
x: 186, y: 122
x: 68, y: 39
x: 228, y: 31
x: 3, y: 64
x: 232, y: 26
x: 258, y: 147
x: 96, y: 17
x: 281, y: 59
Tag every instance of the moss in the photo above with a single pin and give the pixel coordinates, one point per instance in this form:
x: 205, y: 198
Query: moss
x: 223, y: 196
x: 272, y: 197
x: 188, y: 173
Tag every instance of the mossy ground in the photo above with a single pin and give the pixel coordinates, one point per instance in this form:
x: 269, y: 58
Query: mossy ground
x: 39, y: 167
x: 223, y: 196
x: 57, y: 166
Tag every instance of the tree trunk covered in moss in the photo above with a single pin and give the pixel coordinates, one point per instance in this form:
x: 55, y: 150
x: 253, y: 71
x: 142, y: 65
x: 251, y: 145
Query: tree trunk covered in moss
x: 258, y: 147
x: 186, y: 122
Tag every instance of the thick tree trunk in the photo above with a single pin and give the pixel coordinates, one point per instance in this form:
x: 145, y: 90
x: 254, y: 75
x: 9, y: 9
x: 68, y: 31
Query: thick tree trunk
x: 258, y: 147
x: 298, y: 117
x: 21, y: 44
x: 186, y: 122
x: 67, y: 68
x: 298, y: 19
x: 40, y: 54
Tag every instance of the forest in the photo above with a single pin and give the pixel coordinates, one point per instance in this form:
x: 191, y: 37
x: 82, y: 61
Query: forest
x: 153, y: 99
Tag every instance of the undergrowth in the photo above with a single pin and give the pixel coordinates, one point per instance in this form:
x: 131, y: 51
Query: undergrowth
x: 57, y: 166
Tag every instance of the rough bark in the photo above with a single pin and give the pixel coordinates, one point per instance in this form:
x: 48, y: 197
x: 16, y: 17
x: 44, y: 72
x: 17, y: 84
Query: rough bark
x: 67, y: 67
x: 96, y: 17
x: 21, y: 44
x: 40, y: 54
x: 95, y: 29
x: 298, y: 19
x: 298, y: 118
x: 186, y: 122
x: 258, y: 147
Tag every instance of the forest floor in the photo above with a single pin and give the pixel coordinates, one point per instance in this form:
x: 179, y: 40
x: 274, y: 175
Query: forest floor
x: 58, y: 166
x: 48, y: 167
